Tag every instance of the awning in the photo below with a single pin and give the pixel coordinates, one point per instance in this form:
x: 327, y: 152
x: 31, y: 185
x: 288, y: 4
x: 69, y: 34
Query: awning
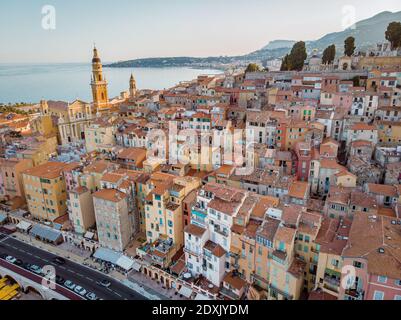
x: 23, y: 225
x: 107, y: 255
x: 89, y: 235
x: 137, y: 266
x: 185, y: 291
x: 115, y: 258
x: 2, y: 218
x: 333, y: 273
x: 45, y: 233
x: 202, y: 297
x: 125, y: 263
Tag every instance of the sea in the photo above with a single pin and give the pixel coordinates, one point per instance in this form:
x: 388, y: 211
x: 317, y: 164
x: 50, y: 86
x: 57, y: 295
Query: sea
x: 30, y: 83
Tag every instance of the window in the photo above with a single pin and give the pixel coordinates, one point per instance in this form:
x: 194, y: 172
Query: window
x: 358, y: 264
x: 378, y: 295
x: 307, y: 239
x: 382, y: 279
x: 397, y: 297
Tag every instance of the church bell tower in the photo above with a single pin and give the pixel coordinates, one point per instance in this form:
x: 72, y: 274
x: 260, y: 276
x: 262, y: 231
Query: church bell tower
x: 99, y: 84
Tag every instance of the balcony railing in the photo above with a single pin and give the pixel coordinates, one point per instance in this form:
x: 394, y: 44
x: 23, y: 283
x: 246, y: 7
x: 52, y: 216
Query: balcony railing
x: 355, y: 294
x: 192, y: 252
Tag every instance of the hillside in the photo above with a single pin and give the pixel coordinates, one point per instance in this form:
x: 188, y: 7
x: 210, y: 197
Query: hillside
x: 366, y: 32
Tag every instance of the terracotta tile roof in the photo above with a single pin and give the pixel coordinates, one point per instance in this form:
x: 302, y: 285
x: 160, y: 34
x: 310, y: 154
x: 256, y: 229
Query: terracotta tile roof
x: 135, y: 154
x: 382, y: 189
x: 378, y: 240
x: 285, y: 235
x: 48, y: 170
x: 333, y: 235
x: 297, y: 268
x: 110, y: 195
x: 363, y: 200
x: 194, y: 230
x: 362, y: 126
x: 99, y: 166
x: 215, y: 249
x: 235, y: 281
x: 291, y: 214
x: 331, y: 164
x: 299, y: 190
x: 112, y: 177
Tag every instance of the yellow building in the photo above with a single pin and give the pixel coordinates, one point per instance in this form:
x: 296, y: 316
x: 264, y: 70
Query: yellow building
x: 330, y: 242
x: 93, y: 173
x: 163, y: 209
x: 99, y: 84
x: 38, y: 149
x: 73, y: 118
x: 286, y: 271
x: 308, y: 228
x: 389, y: 132
x: 81, y: 210
x: 11, y: 177
x: 100, y: 135
x: 45, y: 190
x: 44, y: 124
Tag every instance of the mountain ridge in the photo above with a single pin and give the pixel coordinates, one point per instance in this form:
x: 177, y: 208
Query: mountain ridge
x: 367, y: 32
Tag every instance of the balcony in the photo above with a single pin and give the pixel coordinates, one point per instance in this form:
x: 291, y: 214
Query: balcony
x: 197, y: 208
x: 354, y: 294
x: 331, y: 284
x: 192, y: 252
x: 286, y: 296
x: 217, y: 230
x: 279, y: 257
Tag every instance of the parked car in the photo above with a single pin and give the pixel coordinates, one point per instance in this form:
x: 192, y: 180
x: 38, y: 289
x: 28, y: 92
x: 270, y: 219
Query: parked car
x: 18, y: 262
x: 69, y: 284
x: 92, y: 296
x: 80, y: 290
x: 59, y: 260
x: 104, y: 283
x: 36, y: 269
x: 11, y: 259
x: 26, y: 266
x: 3, y: 256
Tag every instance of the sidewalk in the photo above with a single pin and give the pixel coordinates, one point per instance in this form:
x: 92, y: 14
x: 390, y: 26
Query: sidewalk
x: 65, y: 250
x: 145, y: 288
x: 153, y: 287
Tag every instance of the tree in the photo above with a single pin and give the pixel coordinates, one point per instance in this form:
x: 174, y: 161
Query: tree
x: 285, y: 64
x: 329, y: 54
x: 357, y: 81
x: 349, y: 46
x: 393, y: 34
x: 252, y: 67
x: 297, y: 57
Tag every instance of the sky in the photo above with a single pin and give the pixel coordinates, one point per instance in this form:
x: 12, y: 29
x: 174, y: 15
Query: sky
x: 130, y: 29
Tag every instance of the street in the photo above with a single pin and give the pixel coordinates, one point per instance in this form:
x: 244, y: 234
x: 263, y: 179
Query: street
x: 80, y: 275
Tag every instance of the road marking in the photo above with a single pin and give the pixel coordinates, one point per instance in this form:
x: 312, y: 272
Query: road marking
x: 89, y: 278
